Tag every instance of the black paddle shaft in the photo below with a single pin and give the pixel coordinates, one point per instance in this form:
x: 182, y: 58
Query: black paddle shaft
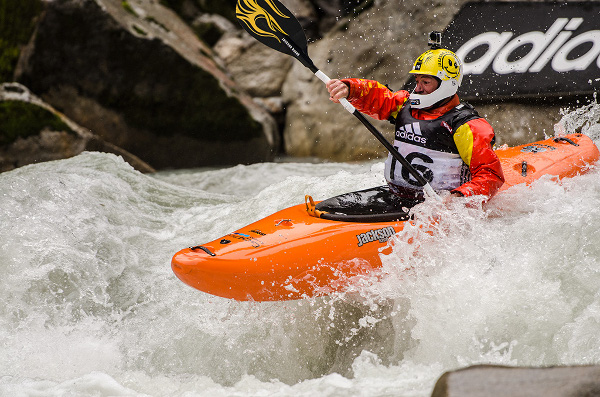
x: 269, y: 22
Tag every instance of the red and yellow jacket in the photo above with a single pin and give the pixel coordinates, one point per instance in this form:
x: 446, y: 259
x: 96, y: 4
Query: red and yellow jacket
x: 474, y: 139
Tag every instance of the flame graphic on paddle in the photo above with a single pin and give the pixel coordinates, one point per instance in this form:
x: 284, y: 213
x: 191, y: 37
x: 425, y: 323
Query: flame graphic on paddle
x: 250, y: 12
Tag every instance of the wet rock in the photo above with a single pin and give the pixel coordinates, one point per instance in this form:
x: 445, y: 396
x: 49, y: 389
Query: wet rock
x: 138, y: 76
x: 260, y: 71
x: 211, y: 27
x: 498, y: 381
x: 518, y: 123
x: 307, y: 15
x: 31, y: 131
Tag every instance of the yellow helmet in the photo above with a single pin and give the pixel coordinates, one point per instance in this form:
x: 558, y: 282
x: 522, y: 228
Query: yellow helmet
x: 442, y: 64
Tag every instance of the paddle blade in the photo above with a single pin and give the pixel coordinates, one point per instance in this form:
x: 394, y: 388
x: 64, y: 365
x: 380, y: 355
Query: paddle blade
x: 269, y: 22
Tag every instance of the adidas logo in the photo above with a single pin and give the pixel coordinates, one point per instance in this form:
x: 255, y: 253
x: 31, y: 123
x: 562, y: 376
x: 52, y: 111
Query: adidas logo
x: 553, y: 47
x: 411, y: 132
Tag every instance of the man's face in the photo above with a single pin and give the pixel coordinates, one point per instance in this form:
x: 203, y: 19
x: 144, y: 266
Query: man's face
x: 425, y: 84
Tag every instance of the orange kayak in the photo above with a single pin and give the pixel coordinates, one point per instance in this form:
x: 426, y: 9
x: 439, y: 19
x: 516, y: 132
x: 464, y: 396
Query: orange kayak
x: 314, y: 249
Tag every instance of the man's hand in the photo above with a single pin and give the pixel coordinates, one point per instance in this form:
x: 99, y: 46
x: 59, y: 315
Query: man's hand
x: 447, y: 198
x: 337, y: 90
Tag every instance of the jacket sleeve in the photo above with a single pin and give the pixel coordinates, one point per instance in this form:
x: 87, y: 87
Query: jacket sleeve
x: 374, y: 99
x: 474, y: 140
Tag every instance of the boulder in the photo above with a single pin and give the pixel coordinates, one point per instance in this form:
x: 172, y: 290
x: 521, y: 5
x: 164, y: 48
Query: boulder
x: 32, y: 131
x: 499, y: 381
x: 516, y: 123
x: 258, y: 69
x: 137, y: 75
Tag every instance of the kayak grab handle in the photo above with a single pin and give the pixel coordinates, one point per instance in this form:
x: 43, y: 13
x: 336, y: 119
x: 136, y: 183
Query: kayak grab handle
x: 565, y: 139
x: 311, y: 207
x: 199, y: 247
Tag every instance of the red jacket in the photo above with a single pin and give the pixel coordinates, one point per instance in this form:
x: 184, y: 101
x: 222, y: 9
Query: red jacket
x: 473, y: 139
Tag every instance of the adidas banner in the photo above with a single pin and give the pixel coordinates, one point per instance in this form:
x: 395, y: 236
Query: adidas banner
x: 527, y: 49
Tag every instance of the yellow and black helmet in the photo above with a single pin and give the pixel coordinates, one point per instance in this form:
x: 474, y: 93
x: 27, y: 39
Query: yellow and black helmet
x: 446, y: 67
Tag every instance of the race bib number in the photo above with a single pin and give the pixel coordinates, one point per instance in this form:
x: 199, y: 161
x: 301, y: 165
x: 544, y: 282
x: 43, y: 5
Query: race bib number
x: 441, y: 170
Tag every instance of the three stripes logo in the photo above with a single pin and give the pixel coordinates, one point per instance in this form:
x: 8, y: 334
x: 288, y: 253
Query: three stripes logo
x: 411, y: 132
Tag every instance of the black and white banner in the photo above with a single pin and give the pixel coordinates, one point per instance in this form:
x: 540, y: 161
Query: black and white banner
x: 527, y: 49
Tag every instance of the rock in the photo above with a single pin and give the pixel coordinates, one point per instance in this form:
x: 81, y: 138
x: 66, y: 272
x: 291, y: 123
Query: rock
x: 257, y: 69
x: 31, y: 131
x: 137, y: 76
x: 307, y: 15
x: 518, y: 123
x: 211, y: 27
x: 498, y: 381
x: 190, y: 9
x: 260, y: 70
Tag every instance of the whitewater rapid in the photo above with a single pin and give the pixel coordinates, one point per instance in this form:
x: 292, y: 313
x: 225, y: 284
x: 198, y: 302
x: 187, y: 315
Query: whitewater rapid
x: 90, y: 306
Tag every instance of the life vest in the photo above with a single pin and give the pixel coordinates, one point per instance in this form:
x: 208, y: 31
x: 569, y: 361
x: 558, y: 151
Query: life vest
x: 428, y: 145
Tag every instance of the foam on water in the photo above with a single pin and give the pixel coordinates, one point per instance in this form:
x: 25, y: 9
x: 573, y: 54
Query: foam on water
x: 91, y: 307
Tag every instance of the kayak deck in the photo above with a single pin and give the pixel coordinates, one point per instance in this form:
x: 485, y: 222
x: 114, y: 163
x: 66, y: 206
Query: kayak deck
x: 376, y: 204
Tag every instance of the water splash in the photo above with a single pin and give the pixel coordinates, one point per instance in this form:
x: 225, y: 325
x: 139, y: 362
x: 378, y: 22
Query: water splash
x: 584, y: 120
x: 91, y: 306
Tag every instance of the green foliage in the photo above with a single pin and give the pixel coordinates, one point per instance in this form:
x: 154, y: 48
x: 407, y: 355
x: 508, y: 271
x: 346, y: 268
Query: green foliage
x: 127, y: 7
x: 16, y: 27
x: 153, y: 20
x: 22, y: 119
x: 9, y: 56
x: 139, y: 30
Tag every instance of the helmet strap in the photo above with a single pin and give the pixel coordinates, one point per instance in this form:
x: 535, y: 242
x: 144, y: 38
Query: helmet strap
x: 441, y: 103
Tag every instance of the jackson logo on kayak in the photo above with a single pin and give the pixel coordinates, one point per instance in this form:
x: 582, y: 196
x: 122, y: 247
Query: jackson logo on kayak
x: 382, y: 235
x: 527, y: 48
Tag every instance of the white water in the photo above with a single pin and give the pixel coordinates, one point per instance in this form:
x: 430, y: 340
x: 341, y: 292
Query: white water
x: 90, y: 306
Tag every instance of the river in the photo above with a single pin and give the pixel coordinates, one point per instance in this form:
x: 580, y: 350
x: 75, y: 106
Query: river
x: 90, y: 306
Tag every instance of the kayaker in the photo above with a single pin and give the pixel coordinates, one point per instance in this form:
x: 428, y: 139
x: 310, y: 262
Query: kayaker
x: 443, y: 138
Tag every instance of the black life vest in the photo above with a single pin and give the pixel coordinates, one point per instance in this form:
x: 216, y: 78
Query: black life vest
x: 429, y: 146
